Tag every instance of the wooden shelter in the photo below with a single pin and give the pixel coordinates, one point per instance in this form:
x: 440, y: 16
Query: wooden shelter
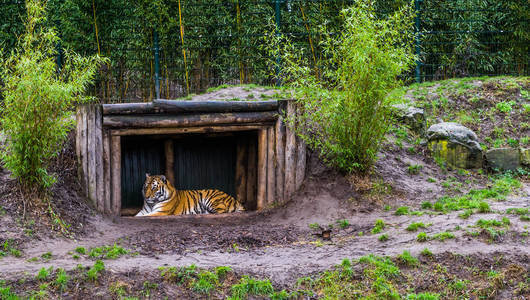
x: 241, y: 147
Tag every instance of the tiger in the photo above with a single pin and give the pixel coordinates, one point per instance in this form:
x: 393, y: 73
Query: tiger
x: 161, y: 198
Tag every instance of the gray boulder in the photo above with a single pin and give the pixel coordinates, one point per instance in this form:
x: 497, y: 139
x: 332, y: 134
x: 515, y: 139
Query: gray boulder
x: 524, y: 155
x: 503, y: 159
x: 412, y: 116
x: 456, y: 144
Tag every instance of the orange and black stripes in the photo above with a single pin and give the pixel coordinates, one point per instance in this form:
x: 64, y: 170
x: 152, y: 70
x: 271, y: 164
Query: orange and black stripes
x: 161, y: 198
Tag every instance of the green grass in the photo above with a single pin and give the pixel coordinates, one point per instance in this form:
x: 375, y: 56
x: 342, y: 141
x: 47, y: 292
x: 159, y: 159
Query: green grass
x: 383, y: 237
x: 61, y: 279
x: 94, y: 272
x: 343, y: 223
x: 43, y: 273
x: 415, y: 226
x: 314, y: 226
x: 379, y: 226
x: 107, y: 252
x: 426, y: 252
x: 407, y: 259
x: 476, y: 198
x: 422, y: 237
x: 426, y: 205
x: 414, y: 169
x: 248, y: 286
x: 442, y: 236
x: 80, y: 250
x: 9, y: 249
x: 403, y: 210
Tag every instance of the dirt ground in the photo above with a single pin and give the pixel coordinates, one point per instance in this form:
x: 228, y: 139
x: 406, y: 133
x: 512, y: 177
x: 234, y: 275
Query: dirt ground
x: 282, y: 243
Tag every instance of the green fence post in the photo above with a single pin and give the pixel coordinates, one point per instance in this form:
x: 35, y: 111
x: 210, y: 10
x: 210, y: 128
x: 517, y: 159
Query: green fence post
x: 157, y: 64
x: 278, y: 24
x: 417, y: 38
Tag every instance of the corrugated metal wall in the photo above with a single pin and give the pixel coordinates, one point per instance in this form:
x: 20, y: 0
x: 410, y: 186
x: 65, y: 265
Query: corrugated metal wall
x: 140, y: 155
x: 200, y: 163
x: 205, y: 163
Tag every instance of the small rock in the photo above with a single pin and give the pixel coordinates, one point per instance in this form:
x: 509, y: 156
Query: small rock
x: 524, y: 156
x: 503, y: 159
x: 456, y: 144
x: 412, y: 116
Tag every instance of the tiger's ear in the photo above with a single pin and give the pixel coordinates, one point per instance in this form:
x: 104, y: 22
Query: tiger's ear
x: 147, y: 175
x: 163, y: 178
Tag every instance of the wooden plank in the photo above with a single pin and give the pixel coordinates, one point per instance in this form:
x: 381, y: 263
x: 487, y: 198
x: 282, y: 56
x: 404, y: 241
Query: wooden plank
x: 78, y: 129
x: 91, y: 155
x: 83, y: 149
x: 241, y: 169
x: 300, y: 162
x: 170, y: 160
x: 116, y: 174
x: 99, y: 158
x: 106, y: 172
x: 271, y: 172
x: 179, y: 106
x: 290, y: 156
x: 301, y: 156
x: 252, y: 173
x: 200, y: 129
x: 129, y: 109
x: 280, y: 160
x: 262, y: 169
x: 159, y: 121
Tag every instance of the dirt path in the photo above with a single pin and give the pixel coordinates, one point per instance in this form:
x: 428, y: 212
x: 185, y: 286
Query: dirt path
x: 298, y: 255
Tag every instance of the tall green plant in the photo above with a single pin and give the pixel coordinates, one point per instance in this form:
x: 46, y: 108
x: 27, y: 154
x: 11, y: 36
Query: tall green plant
x: 345, y: 111
x: 36, y: 113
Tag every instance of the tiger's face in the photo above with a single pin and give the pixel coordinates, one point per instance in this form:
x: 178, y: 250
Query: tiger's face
x: 155, y: 189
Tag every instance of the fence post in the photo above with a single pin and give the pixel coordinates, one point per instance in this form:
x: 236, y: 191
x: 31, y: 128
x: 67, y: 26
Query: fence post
x: 157, y: 64
x: 417, y: 39
x: 278, y: 24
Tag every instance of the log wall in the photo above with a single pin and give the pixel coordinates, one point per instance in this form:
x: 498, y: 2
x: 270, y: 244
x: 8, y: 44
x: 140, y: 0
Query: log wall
x: 269, y: 168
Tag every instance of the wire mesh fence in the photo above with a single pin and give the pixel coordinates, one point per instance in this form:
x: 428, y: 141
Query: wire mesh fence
x: 170, y: 49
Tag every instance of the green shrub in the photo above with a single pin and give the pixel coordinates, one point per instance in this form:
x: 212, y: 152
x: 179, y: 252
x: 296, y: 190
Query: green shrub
x: 38, y: 100
x: 343, y: 105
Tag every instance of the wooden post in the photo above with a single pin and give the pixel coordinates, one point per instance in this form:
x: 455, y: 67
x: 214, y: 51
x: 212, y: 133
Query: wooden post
x: 280, y: 159
x: 262, y: 169
x: 106, y: 172
x: 300, y: 162
x: 251, y: 174
x: 116, y: 174
x: 99, y: 158
x: 170, y: 161
x: 83, y: 149
x: 271, y: 173
x: 290, y: 155
x: 91, y: 128
x: 241, y: 168
x: 78, y: 139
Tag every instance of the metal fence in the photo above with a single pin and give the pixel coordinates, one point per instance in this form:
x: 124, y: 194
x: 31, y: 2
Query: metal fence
x: 170, y: 49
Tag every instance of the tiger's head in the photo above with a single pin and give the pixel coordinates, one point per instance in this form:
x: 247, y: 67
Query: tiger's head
x: 156, y: 189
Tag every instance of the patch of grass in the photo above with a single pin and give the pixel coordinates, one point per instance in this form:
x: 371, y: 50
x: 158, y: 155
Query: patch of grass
x: 442, y: 236
x: 466, y: 214
x: 94, y: 272
x: 407, y: 259
x: 9, y: 249
x: 379, y: 226
x: 422, y: 237
x: 423, y: 296
x: 415, y: 226
x: 403, y: 210
x: 343, y: 223
x: 414, y: 169
x: 80, y: 250
x: 383, y: 237
x: 426, y: 252
x: 108, y: 252
x: 43, y: 273
x: 205, y: 282
x: 430, y: 179
x: 46, y: 256
x: 250, y: 286
x: 505, y: 106
x: 475, y: 199
x: 61, y: 279
x: 314, y: 226
x: 426, y: 205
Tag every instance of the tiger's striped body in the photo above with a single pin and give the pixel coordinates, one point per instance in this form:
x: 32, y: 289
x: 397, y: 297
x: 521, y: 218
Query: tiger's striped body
x: 162, y: 199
